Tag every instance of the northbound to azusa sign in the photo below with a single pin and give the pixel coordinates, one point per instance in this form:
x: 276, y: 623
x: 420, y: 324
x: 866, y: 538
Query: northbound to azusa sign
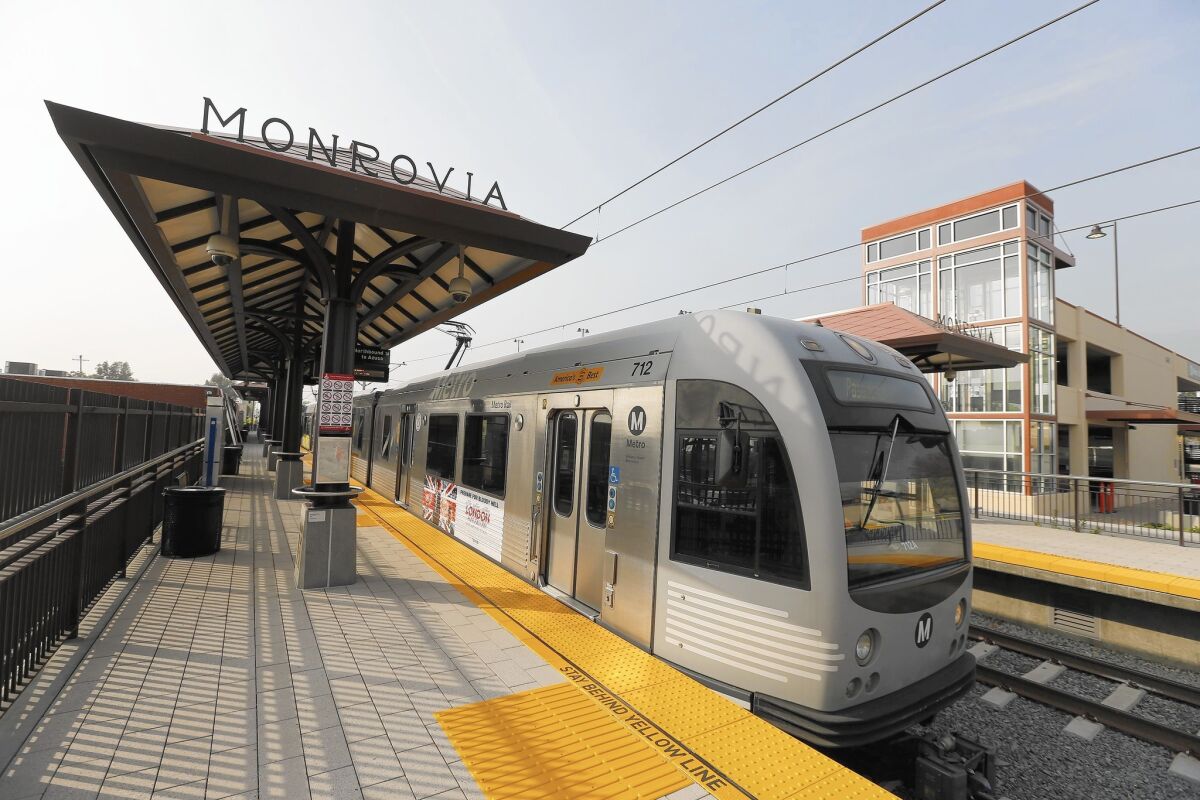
x: 364, y: 157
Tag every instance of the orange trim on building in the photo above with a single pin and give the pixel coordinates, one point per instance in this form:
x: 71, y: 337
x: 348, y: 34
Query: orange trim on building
x: 176, y: 394
x: 994, y: 197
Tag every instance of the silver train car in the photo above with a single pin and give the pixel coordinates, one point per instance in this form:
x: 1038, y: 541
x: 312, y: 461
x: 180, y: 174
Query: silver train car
x: 773, y: 507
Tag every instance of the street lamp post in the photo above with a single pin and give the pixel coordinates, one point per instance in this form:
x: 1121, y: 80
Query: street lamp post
x: 519, y: 342
x: 1097, y: 232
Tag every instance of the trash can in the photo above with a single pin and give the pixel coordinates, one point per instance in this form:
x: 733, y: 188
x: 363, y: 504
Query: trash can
x: 231, y: 459
x: 192, y: 521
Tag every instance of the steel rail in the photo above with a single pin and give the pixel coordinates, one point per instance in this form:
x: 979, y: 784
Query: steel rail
x: 1138, y: 727
x: 33, y: 516
x: 1165, y: 687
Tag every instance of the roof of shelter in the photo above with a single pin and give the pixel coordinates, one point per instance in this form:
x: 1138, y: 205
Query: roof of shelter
x: 172, y: 189
x: 932, y: 346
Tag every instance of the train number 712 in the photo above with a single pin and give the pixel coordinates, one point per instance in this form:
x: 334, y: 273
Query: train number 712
x: 642, y: 367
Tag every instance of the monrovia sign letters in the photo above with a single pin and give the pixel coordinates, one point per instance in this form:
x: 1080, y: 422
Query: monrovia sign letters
x: 278, y: 135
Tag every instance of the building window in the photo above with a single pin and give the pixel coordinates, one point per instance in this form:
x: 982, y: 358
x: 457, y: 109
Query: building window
x: 981, y: 284
x: 999, y: 219
x: 990, y: 444
x: 907, y: 286
x: 485, y: 453
x: 1041, y: 368
x: 1041, y: 283
x: 1043, y: 438
x: 1037, y: 222
x: 442, y: 449
x: 898, y: 245
x: 987, y: 390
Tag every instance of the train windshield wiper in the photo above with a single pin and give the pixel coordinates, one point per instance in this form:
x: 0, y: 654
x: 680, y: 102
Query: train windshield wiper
x: 881, y: 469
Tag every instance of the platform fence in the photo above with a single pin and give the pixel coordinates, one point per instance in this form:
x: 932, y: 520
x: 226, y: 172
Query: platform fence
x: 82, y: 476
x: 1146, y: 509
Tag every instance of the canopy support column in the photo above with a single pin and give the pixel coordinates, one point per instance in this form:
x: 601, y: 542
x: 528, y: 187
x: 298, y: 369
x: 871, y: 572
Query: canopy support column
x: 329, y: 542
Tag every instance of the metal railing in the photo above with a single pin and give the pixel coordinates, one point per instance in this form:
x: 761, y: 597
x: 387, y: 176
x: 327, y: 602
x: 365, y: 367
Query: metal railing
x: 55, y: 440
x: 56, y: 560
x: 1148, y: 509
x: 81, y: 481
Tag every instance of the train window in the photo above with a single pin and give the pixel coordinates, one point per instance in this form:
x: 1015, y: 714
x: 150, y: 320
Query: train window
x: 442, y: 449
x: 485, y: 453
x: 385, y: 437
x: 752, y: 528
x: 599, y: 439
x: 900, y: 503
x: 359, y: 418
x: 565, y: 435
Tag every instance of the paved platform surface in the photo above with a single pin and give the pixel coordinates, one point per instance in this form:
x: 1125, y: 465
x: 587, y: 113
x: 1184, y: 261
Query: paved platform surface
x: 216, y: 679
x: 1152, y: 565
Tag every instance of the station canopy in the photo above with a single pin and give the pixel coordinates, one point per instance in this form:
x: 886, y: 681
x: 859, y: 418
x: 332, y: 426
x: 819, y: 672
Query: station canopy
x: 932, y: 346
x: 172, y: 189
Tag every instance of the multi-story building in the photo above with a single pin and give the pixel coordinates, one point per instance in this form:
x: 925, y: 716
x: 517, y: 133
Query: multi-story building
x: 1094, y: 397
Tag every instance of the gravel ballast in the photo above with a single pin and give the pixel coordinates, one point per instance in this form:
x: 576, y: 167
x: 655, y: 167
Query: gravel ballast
x: 1036, y: 759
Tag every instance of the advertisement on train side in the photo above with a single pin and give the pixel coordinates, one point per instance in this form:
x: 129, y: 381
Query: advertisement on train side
x: 468, y: 516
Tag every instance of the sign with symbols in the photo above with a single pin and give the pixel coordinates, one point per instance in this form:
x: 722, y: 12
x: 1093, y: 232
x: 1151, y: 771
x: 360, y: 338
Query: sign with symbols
x: 370, y: 363
x: 614, y: 474
x: 336, y: 404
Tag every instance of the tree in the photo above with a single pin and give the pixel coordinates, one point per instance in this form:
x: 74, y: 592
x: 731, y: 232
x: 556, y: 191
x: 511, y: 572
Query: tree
x: 218, y: 379
x: 114, y: 371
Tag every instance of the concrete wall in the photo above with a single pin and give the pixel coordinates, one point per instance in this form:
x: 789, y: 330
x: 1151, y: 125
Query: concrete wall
x: 1143, y: 372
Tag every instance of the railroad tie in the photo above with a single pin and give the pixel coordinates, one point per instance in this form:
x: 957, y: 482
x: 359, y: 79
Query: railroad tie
x: 1186, y: 767
x: 1043, y: 673
x: 1123, y: 698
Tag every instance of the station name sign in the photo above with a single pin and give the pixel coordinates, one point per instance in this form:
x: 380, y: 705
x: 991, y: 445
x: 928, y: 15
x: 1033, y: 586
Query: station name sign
x: 278, y: 135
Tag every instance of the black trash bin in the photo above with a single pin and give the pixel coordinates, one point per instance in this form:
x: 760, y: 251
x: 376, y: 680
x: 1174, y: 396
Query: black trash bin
x: 192, y: 521
x: 231, y: 459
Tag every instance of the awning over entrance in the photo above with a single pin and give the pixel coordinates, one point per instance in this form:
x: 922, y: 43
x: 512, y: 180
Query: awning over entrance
x: 933, y: 347
x: 308, y: 227
x: 1113, y: 410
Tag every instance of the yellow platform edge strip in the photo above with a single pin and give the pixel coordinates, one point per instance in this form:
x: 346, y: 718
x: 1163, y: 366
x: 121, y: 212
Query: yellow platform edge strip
x: 758, y: 759
x: 1091, y: 570
x: 550, y: 742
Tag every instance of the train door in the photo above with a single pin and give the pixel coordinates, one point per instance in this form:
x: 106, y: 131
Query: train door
x: 578, y: 495
x: 406, y: 451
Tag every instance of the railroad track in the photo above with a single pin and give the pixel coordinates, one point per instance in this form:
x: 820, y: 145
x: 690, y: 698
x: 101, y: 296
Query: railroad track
x: 1095, y: 711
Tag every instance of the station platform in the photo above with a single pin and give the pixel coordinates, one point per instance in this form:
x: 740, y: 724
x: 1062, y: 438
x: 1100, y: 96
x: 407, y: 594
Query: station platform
x: 1157, y: 571
x: 438, y: 674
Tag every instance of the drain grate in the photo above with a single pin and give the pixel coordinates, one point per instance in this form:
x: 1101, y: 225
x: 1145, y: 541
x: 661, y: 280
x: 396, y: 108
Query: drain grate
x: 1075, y: 623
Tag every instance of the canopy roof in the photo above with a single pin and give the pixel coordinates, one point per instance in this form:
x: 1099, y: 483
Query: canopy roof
x: 931, y: 346
x: 172, y: 189
x: 1106, y: 408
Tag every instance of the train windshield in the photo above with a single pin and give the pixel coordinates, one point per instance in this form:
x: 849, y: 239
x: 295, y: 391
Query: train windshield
x: 900, y: 503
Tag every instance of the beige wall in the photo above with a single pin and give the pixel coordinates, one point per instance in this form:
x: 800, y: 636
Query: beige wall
x: 1143, y: 372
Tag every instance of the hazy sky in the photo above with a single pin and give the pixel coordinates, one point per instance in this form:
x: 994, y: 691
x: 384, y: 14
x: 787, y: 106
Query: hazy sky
x: 566, y: 102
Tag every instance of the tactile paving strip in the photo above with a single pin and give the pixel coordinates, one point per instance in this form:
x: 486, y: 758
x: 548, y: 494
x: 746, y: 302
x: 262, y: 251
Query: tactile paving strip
x: 1092, y: 570
x: 755, y: 757
x: 554, y: 742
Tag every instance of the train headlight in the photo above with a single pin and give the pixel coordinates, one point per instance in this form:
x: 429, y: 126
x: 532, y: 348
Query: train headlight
x: 960, y: 612
x: 864, y: 648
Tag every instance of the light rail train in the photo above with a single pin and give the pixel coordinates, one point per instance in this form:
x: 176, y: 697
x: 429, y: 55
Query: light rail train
x: 773, y: 507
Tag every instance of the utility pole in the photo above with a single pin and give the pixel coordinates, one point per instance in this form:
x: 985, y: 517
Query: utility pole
x: 80, y: 359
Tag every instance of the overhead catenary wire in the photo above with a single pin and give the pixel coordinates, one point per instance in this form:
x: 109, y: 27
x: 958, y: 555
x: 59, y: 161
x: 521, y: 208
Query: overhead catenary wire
x: 759, y: 110
x: 812, y: 287
x: 848, y: 120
